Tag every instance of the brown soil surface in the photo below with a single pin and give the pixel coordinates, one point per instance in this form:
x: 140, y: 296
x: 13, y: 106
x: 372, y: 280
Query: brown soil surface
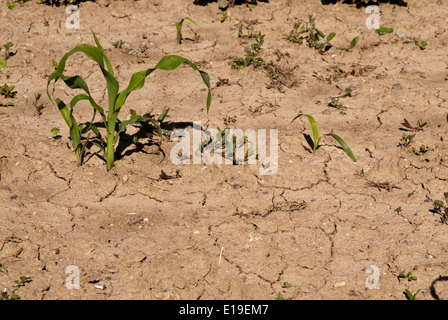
x: 225, y: 231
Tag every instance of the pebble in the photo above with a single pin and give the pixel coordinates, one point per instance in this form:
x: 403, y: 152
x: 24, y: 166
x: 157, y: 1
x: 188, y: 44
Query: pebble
x: 100, y: 285
x: 396, y: 86
x: 339, y: 284
x: 144, y: 35
x: 381, y: 76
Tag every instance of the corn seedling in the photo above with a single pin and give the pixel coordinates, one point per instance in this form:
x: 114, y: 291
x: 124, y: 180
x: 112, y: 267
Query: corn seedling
x: 441, y: 208
x: 411, y: 296
x: 317, y: 138
x: 38, y: 106
x: 179, y: 28
x: 116, y: 99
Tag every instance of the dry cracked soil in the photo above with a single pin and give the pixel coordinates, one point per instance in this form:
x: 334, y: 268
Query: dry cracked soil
x: 320, y: 227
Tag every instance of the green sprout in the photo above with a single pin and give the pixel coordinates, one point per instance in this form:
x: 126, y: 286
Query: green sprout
x: 317, y: 137
x: 408, y: 276
x: 179, y: 28
x: 411, y: 296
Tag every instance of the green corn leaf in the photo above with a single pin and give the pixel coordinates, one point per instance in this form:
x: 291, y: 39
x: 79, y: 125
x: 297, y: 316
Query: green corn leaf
x: 96, y: 107
x: 75, y: 132
x: 343, y: 145
x: 109, y: 65
x: 99, y: 146
x: 2, y: 63
x: 168, y: 63
x: 313, y: 129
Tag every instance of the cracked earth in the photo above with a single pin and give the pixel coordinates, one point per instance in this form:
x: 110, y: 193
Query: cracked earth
x: 225, y: 231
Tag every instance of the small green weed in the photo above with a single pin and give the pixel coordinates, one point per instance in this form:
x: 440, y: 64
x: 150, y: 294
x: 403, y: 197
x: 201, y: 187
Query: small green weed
x: 12, y: 4
x: 118, y: 44
x: 251, y: 58
x: 406, y: 140
x: 8, y: 91
x: 422, y: 45
x: 314, y: 37
x: 422, y: 150
x: 317, y: 138
x: 280, y: 297
x: 18, y: 283
x: 441, y: 208
x: 223, y: 17
x: 408, y: 276
x: 334, y: 103
x: 418, y: 127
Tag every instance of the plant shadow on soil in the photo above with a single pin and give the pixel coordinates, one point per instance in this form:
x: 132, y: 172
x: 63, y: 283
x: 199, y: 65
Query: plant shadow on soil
x: 433, y: 289
x: 237, y: 2
x: 126, y: 140
x: 360, y: 3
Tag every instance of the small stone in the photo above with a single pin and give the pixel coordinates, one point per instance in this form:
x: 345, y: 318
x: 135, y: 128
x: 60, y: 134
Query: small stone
x: 144, y: 36
x: 100, y: 285
x: 339, y: 284
x: 396, y: 86
x: 381, y: 76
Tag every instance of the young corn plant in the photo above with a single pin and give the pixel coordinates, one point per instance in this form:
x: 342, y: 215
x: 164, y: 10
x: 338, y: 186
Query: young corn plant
x: 179, y: 28
x: 317, y: 138
x: 116, y: 99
